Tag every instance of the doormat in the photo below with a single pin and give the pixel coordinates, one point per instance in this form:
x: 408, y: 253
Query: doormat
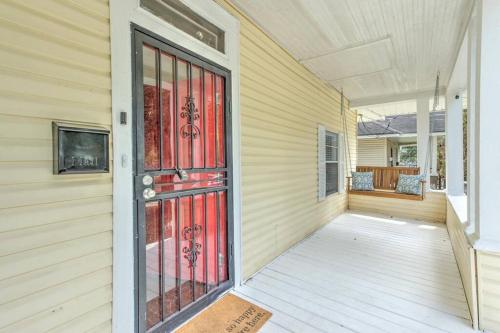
x: 230, y: 314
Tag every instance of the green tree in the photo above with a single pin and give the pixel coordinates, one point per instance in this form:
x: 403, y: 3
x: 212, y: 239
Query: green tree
x: 408, y: 155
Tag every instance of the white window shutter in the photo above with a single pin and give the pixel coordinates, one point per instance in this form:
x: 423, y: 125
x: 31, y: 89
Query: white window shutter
x: 341, y: 157
x: 321, y: 163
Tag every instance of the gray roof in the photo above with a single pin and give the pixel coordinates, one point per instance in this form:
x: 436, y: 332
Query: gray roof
x: 401, y: 124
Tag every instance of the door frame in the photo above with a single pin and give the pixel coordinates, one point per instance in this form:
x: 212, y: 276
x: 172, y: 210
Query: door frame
x: 140, y: 36
x: 123, y: 15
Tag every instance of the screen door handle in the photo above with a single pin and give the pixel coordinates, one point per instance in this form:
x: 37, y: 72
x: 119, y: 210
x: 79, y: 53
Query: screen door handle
x: 148, y: 193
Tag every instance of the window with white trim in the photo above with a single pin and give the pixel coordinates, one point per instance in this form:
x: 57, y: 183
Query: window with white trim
x: 330, y: 163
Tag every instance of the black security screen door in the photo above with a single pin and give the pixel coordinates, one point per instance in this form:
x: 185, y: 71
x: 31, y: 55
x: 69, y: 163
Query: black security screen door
x: 182, y: 184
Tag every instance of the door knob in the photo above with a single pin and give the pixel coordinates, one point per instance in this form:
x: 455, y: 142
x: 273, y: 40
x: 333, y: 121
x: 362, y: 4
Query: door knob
x: 148, y: 193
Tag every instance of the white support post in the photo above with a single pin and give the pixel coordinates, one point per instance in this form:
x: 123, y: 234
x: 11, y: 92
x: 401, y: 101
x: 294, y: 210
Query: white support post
x: 434, y: 155
x: 472, y: 101
x: 423, y: 137
x: 486, y: 123
x: 454, y: 144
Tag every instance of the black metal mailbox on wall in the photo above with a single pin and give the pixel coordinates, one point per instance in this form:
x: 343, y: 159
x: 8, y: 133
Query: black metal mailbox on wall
x: 79, y: 149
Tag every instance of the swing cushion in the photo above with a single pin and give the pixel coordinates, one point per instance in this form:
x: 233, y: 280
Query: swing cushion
x: 362, y: 181
x: 409, y: 184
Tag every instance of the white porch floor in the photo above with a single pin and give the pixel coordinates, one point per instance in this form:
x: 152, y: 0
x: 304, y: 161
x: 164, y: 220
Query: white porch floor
x: 363, y: 273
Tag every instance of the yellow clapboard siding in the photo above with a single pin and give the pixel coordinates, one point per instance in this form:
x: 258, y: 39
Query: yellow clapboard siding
x: 52, y: 26
x: 96, y: 320
x: 14, y: 127
x: 26, y: 284
x: 26, y: 172
x: 282, y: 104
x: 432, y: 208
x: 55, y: 231
x: 27, y: 261
x: 94, y: 8
x: 40, y: 193
x: 465, y: 257
x: 488, y: 282
x: 56, y: 11
x: 39, y: 301
x: 34, y: 84
x: 372, y: 152
x: 36, y: 237
x: 104, y: 327
x: 27, y: 61
x: 38, y: 106
x: 22, y: 217
x: 16, y: 36
x: 78, y: 307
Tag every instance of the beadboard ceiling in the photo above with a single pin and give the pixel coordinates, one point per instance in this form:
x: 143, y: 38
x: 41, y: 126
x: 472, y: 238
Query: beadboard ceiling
x: 374, y: 49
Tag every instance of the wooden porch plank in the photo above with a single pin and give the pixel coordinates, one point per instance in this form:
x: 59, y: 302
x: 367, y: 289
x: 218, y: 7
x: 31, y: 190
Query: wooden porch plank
x: 368, y: 274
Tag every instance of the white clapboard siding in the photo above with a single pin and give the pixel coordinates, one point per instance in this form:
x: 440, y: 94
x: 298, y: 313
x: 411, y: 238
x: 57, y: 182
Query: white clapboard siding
x: 372, y: 152
x: 282, y: 104
x: 55, y: 231
x: 365, y: 273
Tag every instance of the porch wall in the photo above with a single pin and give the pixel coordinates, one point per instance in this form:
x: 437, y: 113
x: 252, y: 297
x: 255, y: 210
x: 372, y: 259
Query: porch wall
x: 55, y: 231
x: 282, y: 104
x: 488, y: 283
x: 465, y: 257
x: 480, y: 273
x: 431, y: 209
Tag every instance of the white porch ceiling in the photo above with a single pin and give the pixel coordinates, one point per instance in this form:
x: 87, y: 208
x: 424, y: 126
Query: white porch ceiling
x: 373, y: 49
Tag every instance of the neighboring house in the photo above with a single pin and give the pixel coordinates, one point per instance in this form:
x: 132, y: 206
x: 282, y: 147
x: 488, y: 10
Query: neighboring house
x: 380, y: 141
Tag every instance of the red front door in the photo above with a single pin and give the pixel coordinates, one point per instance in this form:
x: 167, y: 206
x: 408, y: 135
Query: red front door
x: 183, y: 182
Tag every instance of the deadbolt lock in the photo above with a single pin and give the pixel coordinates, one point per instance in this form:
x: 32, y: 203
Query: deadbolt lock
x: 147, y: 180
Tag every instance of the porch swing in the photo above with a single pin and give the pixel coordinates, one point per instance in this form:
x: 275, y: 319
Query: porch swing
x: 385, y: 179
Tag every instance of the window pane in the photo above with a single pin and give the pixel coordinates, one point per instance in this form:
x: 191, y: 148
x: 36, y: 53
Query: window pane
x: 223, y: 273
x: 332, y: 170
x: 183, y: 18
x: 184, y: 126
x: 153, y: 259
x: 220, y: 137
x: 197, y: 118
x: 168, y: 111
x: 200, y: 268
x: 331, y: 139
x: 211, y: 240
x: 170, y: 300
x: 210, y: 119
x: 331, y: 153
x: 331, y: 147
x: 151, y: 110
x: 186, y: 247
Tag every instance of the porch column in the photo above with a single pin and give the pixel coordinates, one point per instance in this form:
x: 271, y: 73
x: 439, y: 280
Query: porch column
x: 423, y: 145
x: 454, y: 144
x: 434, y: 155
x: 486, y: 164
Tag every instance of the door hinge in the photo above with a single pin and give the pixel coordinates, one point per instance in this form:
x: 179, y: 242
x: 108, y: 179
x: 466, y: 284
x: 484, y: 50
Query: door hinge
x: 232, y: 247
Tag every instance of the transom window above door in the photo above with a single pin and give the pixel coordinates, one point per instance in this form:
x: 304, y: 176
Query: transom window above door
x: 185, y: 19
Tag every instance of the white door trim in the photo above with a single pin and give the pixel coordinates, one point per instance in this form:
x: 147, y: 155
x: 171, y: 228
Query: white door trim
x: 123, y: 13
